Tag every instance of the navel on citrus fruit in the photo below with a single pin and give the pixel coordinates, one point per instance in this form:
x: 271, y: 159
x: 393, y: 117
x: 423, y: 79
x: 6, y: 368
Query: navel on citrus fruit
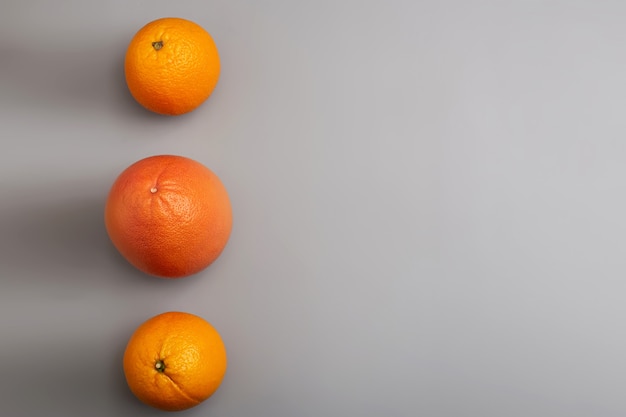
x: 174, y: 361
x: 172, y: 66
x: 168, y: 215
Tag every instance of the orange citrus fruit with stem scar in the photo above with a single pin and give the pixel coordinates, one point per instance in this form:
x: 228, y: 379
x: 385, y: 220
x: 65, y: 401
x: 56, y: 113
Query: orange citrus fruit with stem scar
x: 174, y: 361
x: 168, y: 215
x: 172, y: 66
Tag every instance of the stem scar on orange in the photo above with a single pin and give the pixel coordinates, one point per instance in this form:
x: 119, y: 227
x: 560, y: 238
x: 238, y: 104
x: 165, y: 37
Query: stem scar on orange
x: 168, y: 215
x: 171, y: 66
x: 174, y: 361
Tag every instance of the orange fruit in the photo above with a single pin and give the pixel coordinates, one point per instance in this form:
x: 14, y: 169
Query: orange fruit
x: 174, y: 361
x: 168, y: 215
x: 172, y: 66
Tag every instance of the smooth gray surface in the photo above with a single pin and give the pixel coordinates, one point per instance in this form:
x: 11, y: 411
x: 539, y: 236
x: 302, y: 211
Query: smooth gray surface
x: 428, y: 207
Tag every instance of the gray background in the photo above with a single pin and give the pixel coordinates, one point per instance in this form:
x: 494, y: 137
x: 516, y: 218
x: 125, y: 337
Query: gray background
x: 428, y: 207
